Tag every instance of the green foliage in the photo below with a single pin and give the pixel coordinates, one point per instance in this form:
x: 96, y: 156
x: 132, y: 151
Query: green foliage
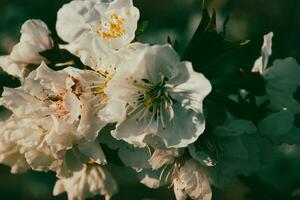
x: 207, y: 44
x: 7, y: 80
x: 218, y: 59
x: 297, y: 94
x: 224, y: 64
x: 142, y: 26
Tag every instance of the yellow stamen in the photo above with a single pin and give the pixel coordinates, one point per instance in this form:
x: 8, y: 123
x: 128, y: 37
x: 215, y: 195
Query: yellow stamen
x: 113, y: 28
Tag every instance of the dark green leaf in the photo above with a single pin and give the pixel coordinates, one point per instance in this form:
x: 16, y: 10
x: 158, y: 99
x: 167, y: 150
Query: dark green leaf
x: 297, y: 120
x: 216, y: 113
x: 7, y: 80
x: 207, y: 44
x: 172, y: 42
x: 56, y: 55
x: 141, y: 27
x: 297, y: 94
x: 253, y: 82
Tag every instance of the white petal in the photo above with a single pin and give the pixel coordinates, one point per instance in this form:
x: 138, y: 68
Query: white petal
x: 258, y: 66
x: 40, y: 160
x: 50, y: 79
x: 88, y: 182
x: 85, y: 15
x: 84, y: 49
x: 267, y: 48
x: 114, y: 111
x: 18, y: 101
x: 196, y: 184
x: 10, y: 152
x: 162, y: 157
x: 155, y: 178
x: 15, y: 69
x: 93, y: 151
x: 178, y: 187
x: 73, y: 105
x: 71, y: 20
x: 90, y: 123
x: 35, y: 39
x: 266, y: 51
x: 184, y: 129
x: 131, y: 131
x: 193, y: 91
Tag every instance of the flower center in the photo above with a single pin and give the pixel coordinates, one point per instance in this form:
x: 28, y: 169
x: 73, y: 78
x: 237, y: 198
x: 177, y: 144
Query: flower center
x: 112, y: 28
x: 156, y: 95
x: 76, y: 88
x: 58, y: 103
x: 155, y: 100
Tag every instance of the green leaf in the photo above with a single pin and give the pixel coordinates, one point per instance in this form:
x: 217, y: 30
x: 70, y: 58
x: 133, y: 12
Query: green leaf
x: 215, y: 113
x: 276, y: 124
x: 141, y: 27
x: 296, y: 95
x: 7, y: 80
x: 207, y: 44
x: 297, y: 120
x: 56, y: 55
x: 253, y: 82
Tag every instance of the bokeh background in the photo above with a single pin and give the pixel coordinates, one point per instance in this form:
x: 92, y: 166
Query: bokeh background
x: 249, y: 19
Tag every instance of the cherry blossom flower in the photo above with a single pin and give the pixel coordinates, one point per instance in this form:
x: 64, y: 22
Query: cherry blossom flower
x: 163, y: 98
x: 35, y: 38
x: 96, y: 28
x: 86, y: 183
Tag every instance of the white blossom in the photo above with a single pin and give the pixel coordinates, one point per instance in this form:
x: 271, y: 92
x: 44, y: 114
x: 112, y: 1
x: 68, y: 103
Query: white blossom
x: 139, y: 100
x: 192, y: 181
x: 96, y: 28
x: 163, y: 98
x: 35, y: 38
x: 9, y: 151
x: 31, y: 139
x: 69, y: 96
x: 188, y: 179
x: 86, y: 183
x: 53, y: 112
x: 162, y: 157
x: 37, y: 144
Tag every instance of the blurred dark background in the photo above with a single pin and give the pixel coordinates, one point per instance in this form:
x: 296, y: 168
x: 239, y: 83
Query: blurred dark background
x: 249, y: 19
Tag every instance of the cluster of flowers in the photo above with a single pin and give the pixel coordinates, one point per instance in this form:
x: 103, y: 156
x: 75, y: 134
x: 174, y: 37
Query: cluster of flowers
x: 137, y: 99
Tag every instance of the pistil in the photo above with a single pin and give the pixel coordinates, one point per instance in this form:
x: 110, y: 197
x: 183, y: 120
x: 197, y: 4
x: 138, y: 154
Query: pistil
x: 155, y: 100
